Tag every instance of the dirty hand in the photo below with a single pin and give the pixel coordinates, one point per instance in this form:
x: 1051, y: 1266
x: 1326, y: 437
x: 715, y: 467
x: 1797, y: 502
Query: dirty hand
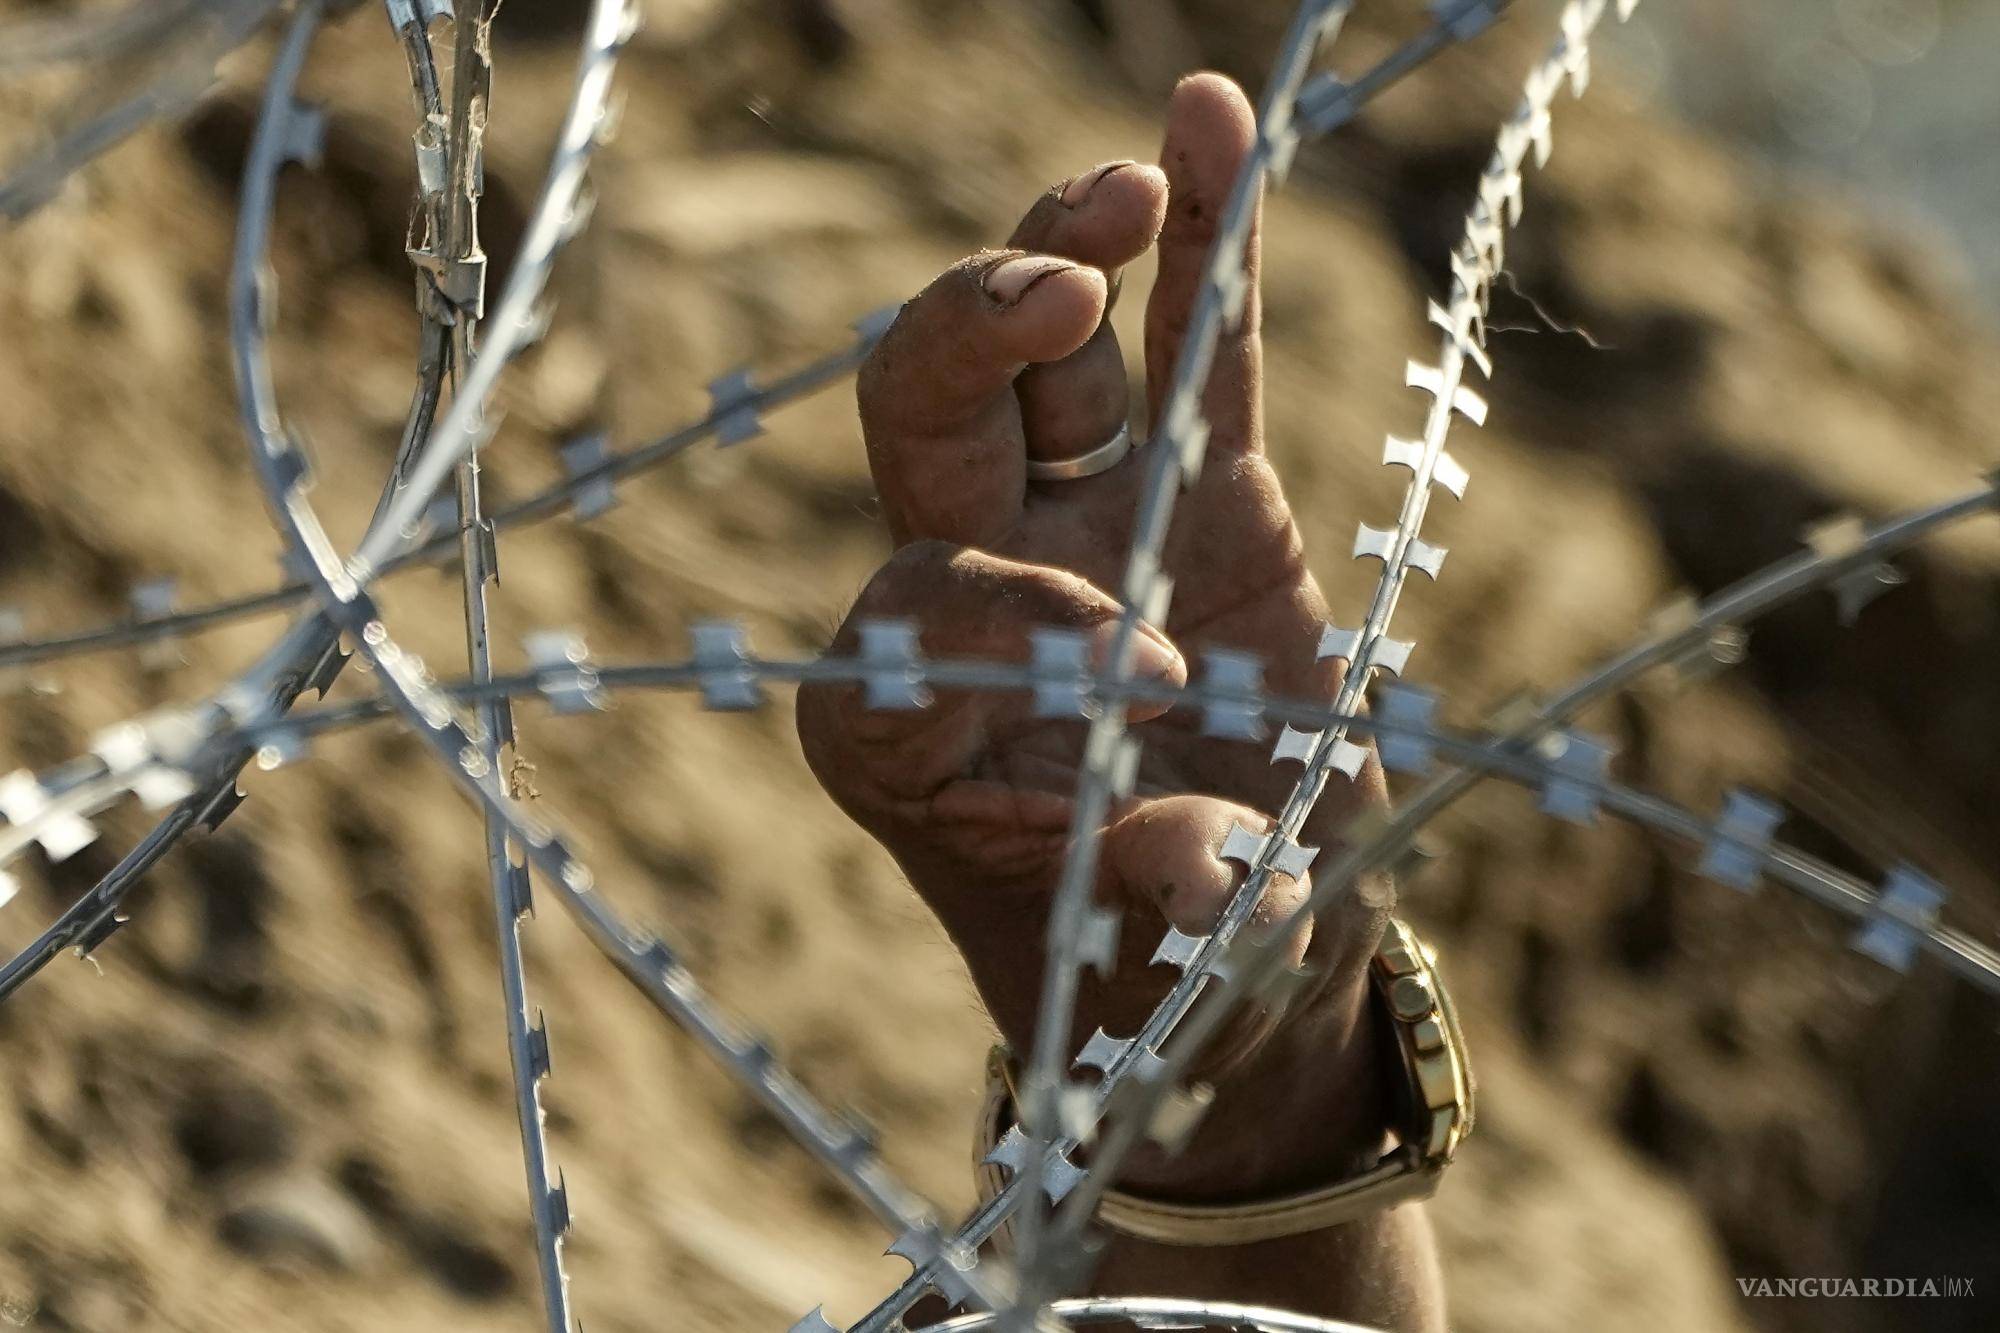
x: 1008, y: 356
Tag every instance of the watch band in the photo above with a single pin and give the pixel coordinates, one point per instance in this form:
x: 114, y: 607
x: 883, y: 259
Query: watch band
x: 1435, y: 1109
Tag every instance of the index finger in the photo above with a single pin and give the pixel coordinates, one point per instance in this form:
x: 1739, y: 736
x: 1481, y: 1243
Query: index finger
x: 938, y: 412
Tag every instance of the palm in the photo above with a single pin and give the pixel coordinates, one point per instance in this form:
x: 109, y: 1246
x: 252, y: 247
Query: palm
x: 1009, y: 357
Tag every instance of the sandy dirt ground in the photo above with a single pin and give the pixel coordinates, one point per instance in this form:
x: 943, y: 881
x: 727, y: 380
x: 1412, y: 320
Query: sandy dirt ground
x: 278, y: 1100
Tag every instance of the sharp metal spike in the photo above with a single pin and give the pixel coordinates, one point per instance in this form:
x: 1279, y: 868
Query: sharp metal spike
x: 1235, y: 673
x: 1575, y: 781
x: 1853, y: 592
x: 1176, y: 949
x: 224, y: 805
x: 1399, y: 452
x: 1347, y: 758
x: 733, y: 399
x: 1242, y: 845
x: 1735, y: 852
x: 1061, y: 661
x: 1376, y: 543
x: 1406, y: 716
x: 1059, y: 1174
x: 1101, y: 1051
x: 1393, y: 655
x: 1451, y: 475
x: 1295, y: 744
x: 24, y: 801
x: 566, y: 678
x: 722, y: 655
x: 1461, y: 320
x: 586, y: 454
x: 892, y: 666
x: 1431, y: 380
x: 538, y: 1049
x: 1336, y: 642
x: 1901, y: 916
x: 1421, y: 555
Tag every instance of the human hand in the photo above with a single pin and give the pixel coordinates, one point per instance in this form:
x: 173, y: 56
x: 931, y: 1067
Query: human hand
x: 1008, y: 356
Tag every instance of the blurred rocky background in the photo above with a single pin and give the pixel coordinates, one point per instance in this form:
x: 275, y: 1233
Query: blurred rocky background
x: 1751, y: 291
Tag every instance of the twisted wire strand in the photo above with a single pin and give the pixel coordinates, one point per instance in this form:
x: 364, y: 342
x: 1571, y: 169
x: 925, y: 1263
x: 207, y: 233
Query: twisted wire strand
x: 528, y: 1055
x: 1479, y: 753
x: 839, y: 1143
x: 413, y: 692
x: 1369, y: 650
x: 220, y: 28
x: 1080, y: 933
x: 741, y: 400
x: 1254, y: 968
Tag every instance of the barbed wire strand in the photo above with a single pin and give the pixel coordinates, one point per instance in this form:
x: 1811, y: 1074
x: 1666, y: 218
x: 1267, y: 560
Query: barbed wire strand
x: 740, y: 400
x: 1412, y: 732
x: 839, y: 1143
x: 1264, y: 971
x: 413, y: 691
x: 1080, y: 932
x: 310, y: 658
x: 461, y: 268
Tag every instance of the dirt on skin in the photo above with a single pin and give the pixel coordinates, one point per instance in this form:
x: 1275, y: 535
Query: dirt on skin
x: 278, y: 1099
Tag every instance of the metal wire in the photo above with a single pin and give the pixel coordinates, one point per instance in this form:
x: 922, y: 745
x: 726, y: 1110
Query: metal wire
x: 190, y: 758
x: 741, y: 399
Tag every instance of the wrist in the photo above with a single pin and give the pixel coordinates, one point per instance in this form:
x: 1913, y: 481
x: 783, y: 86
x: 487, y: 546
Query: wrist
x: 1314, y: 1102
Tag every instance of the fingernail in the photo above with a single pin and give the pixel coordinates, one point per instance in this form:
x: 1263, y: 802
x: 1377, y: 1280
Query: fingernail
x: 1079, y: 189
x: 1153, y: 656
x: 1008, y: 281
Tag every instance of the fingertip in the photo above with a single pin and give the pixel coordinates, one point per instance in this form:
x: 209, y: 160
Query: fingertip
x: 1045, y: 307
x: 1212, y: 105
x: 1154, y: 659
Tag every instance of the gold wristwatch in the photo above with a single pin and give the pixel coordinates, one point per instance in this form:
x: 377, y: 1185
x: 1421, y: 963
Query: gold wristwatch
x: 1435, y: 1111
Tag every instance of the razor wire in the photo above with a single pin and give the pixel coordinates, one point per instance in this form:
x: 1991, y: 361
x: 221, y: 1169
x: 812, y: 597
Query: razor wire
x: 459, y: 278
x: 310, y: 658
x: 165, y: 759
x: 1263, y: 974
x: 1080, y: 932
x: 1570, y: 777
x: 739, y: 400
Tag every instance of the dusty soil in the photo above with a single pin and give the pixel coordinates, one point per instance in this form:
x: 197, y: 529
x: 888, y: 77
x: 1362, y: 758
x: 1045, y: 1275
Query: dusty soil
x: 278, y: 1099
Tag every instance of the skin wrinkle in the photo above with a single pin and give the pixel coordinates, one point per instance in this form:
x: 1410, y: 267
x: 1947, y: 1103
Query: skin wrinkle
x: 974, y: 799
